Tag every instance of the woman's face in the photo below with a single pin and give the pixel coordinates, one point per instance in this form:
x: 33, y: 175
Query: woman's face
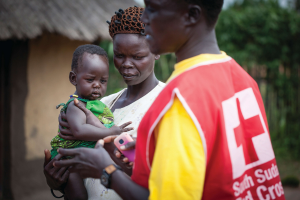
x: 133, y: 58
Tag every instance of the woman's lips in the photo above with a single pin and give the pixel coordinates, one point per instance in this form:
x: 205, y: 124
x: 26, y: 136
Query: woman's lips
x: 128, y: 76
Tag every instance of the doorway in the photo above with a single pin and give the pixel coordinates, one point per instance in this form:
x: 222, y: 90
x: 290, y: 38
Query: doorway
x: 5, y: 88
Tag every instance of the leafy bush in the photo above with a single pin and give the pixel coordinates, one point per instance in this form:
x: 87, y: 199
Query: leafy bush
x: 290, y: 181
x: 265, y: 39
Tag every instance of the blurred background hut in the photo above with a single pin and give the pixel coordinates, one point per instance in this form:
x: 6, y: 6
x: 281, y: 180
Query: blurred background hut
x: 37, y: 40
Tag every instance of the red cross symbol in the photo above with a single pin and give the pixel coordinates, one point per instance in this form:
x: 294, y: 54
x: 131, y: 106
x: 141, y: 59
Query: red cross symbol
x: 244, y: 133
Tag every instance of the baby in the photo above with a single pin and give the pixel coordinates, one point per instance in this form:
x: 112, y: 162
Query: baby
x: 89, y: 75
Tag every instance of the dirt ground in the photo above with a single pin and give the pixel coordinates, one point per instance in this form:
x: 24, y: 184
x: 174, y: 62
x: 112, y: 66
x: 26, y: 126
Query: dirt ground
x: 290, y: 194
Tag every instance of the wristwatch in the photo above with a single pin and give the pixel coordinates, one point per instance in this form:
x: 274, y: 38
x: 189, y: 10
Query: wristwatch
x: 106, y: 174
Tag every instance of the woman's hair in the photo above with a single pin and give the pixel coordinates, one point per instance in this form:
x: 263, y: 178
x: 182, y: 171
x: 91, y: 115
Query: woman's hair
x: 128, y: 21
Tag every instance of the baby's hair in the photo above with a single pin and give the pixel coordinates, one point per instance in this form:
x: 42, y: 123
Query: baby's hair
x: 212, y: 9
x: 87, y: 48
x: 128, y: 21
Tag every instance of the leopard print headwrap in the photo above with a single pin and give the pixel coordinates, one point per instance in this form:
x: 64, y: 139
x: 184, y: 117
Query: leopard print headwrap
x: 127, y: 21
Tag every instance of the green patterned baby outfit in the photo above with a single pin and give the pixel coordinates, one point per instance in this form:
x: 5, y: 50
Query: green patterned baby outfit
x: 99, y: 109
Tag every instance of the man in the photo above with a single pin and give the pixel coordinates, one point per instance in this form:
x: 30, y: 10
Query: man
x: 206, y: 135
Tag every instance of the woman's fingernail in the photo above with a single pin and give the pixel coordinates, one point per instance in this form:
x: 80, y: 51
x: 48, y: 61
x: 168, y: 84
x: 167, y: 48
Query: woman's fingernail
x: 122, y: 147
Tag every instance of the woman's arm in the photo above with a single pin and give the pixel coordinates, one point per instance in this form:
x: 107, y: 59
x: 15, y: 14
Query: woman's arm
x: 91, y: 162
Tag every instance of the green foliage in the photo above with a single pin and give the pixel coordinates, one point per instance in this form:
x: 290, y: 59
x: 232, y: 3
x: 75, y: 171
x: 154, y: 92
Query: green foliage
x: 264, y: 37
x: 291, y: 181
x: 164, y: 67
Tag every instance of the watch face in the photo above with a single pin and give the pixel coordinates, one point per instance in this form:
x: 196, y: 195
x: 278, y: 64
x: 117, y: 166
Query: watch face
x: 104, y: 179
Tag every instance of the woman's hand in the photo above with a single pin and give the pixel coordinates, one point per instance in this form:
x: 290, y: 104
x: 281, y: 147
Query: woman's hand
x: 64, y: 127
x: 56, y: 177
x: 86, y: 161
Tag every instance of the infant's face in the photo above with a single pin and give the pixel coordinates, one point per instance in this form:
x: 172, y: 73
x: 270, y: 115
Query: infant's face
x: 92, y: 77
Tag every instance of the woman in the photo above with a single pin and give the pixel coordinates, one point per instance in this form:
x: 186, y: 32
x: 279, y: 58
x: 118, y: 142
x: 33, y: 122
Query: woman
x: 135, y: 63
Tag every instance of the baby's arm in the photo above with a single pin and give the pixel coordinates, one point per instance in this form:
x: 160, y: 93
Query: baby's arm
x: 83, y: 131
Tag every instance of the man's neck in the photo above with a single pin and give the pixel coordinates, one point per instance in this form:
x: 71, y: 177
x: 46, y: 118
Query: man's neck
x: 198, y: 44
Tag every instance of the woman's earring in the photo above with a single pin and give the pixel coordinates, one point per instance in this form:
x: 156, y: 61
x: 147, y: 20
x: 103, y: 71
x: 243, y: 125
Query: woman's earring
x: 157, y: 57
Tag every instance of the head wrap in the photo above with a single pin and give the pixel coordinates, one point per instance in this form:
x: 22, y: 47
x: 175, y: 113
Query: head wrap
x: 128, y: 21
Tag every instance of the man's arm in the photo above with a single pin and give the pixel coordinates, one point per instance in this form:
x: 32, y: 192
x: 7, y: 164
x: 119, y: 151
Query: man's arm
x: 91, y: 162
x: 178, y: 168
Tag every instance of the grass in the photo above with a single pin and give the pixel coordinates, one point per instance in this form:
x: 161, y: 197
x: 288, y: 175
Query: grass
x: 288, y: 167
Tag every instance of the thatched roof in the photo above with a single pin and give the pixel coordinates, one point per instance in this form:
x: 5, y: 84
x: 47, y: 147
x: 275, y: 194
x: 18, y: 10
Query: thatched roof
x: 75, y: 19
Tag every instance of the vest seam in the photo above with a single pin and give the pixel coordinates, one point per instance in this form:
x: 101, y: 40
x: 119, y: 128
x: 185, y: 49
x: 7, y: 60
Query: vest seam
x: 166, y: 108
x: 194, y: 119
x: 210, y: 62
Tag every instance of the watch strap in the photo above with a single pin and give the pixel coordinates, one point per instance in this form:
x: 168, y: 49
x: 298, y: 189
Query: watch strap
x: 111, y: 168
x: 106, y: 174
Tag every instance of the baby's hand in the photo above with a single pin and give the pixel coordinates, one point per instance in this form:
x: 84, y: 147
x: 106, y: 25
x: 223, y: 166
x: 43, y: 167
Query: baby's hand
x: 117, y: 130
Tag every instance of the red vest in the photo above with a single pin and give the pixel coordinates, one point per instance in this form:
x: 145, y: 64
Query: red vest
x: 226, y: 107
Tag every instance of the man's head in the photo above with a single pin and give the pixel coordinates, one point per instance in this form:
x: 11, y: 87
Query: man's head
x: 171, y: 23
x: 210, y: 8
x: 89, y: 71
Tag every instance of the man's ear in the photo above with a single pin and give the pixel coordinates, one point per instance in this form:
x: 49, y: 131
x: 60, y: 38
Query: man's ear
x: 157, y: 57
x: 73, y: 78
x: 193, y: 15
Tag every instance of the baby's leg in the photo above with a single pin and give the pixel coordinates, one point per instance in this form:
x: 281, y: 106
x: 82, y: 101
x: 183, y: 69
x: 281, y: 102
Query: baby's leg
x: 75, y: 189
